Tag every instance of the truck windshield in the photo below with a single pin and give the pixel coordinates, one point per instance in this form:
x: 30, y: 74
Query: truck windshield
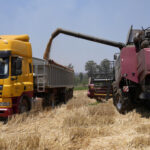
x: 4, y: 65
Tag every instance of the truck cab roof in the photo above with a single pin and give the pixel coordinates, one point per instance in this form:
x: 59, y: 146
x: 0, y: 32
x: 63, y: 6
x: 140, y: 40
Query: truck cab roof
x: 17, y: 44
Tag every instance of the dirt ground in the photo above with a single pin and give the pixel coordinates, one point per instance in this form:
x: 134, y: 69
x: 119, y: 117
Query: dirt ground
x: 81, y: 124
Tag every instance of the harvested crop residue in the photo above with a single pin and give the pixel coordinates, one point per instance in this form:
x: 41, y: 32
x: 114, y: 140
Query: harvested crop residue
x: 81, y: 124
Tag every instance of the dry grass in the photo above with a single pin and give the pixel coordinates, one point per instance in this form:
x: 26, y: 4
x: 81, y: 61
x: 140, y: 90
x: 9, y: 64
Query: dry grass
x: 140, y: 142
x: 77, y: 102
x: 81, y: 124
x: 144, y: 129
x: 101, y: 114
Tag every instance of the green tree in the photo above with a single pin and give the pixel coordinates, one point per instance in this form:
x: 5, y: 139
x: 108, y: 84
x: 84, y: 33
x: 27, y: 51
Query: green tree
x: 105, y: 66
x: 91, y: 67
x: 81, y: 76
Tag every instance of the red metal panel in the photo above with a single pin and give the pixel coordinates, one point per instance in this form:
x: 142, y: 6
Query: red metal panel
x: 128, y: 60
x: 147, y: 59
x: 5, y: 112
x: 143, y: 63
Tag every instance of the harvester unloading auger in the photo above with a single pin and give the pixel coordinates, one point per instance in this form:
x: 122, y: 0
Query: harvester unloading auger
x: 132, y: 67
x: 79, y: 35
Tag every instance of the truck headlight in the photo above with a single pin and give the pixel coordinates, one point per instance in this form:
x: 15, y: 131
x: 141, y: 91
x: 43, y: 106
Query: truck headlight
x: 4, y: 103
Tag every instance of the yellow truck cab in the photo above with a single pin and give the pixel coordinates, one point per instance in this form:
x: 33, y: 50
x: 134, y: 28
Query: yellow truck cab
x: 16, y: 74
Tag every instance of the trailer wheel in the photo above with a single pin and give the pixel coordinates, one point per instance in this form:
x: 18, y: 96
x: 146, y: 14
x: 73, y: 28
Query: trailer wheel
x: 65, y: 97
x: 123, y: 104
x: 24, y: 105
x: 71, y: 93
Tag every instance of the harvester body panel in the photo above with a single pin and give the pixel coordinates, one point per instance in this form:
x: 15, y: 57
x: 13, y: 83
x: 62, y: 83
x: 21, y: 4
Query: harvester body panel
x: 128, y: 61
x: 143, y: 63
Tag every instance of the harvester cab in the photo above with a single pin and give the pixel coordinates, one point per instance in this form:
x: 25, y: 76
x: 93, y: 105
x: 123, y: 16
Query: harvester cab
x: 139, y: 38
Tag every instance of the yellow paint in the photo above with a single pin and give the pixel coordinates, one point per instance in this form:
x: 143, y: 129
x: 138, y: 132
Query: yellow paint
x: 19, y: 45
x: 6, y: 100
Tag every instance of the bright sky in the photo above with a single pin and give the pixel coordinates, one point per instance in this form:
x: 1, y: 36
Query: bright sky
x: 109, y: 19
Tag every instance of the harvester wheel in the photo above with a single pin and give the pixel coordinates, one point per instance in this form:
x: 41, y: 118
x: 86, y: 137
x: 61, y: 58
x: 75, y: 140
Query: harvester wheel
x: 114, y: 91
x: 24, y: 105
x: 123, y: 104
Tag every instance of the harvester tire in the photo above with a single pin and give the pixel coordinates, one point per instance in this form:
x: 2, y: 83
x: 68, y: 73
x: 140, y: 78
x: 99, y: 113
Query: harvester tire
x: 123, y: 104
x: 114, y: 91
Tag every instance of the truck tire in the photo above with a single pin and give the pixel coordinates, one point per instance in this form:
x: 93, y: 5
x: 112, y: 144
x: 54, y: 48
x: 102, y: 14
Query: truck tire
x: 122, y: 103
x: 24, y: 105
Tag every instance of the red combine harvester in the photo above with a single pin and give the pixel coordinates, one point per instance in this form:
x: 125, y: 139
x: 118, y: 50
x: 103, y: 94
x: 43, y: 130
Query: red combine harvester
x: 100, y: 84
x: 100, y: 88
x: 132, y: 67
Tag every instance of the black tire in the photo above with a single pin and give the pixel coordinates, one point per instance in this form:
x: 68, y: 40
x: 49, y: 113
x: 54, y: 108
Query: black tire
x: 46, y: 100
x: 70, y: 93
x: 65, y: 97
x: 24, y: 105
x: 99, y: 100
x: 114, y: 91
x: 122, y: 103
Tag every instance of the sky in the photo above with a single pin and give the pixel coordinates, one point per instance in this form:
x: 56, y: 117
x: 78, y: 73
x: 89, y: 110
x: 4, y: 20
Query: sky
x: 109, y: 19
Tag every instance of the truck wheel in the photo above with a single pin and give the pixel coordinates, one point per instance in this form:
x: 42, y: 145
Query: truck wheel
x: 123, y: 104
x: 24, y: 105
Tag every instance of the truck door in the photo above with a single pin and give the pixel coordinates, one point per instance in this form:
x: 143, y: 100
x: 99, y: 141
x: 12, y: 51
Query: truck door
x: 16, y: 76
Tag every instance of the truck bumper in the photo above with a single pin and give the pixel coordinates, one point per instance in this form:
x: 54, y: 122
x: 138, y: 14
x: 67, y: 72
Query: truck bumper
x: 5, y: 112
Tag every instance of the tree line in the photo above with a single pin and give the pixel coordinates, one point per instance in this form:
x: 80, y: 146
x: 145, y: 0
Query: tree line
x: 104, y: 69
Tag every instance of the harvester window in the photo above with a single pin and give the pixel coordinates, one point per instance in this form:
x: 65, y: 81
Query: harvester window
x: 16, y: 66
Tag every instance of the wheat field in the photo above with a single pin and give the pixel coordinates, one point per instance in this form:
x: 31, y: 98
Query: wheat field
x: 81, y: 124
